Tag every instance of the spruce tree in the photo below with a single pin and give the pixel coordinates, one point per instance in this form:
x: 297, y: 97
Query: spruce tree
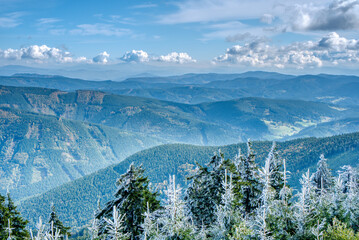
x: 205, y: 191
x: 131, y: 199
x: 174, y: 221
x: 276, y: 169
x: 2, y: 217
x: 56, y: 224
x: 250, y: 185
x: 18, y: 224
x: 322, y: 179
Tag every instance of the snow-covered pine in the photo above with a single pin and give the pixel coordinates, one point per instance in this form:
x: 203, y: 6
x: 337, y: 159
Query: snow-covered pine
x: 173, y: 221
x: 205, y: 191
x: 225, y: 211
x: 262, y: 229
x: 95, y: 224
x: 276, y: 169
x: 322, y: 179
x: 250, y: 185
x: 282, y: 219
x: 115, y: 228
x: 40, y: 228
x: 305, y: 207
x: 351, y: 202
x: 149, y: 226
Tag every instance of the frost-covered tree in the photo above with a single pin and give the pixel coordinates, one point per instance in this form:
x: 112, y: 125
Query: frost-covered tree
x: 150, y: 226
x: 250, y: 186
x: 95, y: 224
x: 114, y: 226
x: 281, y: 219
x: 205, y: 191
x: 131, y: 199
x: 351, y: 201
x: 225, y: 210
x: 276, y: 170
x: 40, y: 231
x: 322, y: 179
x: 305, y: 208
x: 262, y: 226
x: 173, y: 220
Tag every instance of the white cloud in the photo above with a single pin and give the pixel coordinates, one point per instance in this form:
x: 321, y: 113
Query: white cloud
x: 267, y: 18
x: 39, y: 54
x: 100, y: 29
x: 135, y: 56
x: 101, y: 58
x: 140, y: 56
x: 45, y: 21
x: 331, y: 49
x: 175, y: 57
x: 10, y: 20
x: 339, y: 15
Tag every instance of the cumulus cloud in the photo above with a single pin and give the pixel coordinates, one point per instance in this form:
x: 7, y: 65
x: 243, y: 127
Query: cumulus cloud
x: 38, y: 53
x: 331, y: 49
x: 101, y: 58
x: 339, y: 15
x: 175, y: 57
x: 135, y: 56
x: 100, y: 29
x: 140, y: 56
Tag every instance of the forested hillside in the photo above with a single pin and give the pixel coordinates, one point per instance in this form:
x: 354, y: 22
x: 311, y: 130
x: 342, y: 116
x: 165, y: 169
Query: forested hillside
x: 77, y: 200
x: 39, y: 152
x: 206, y: 124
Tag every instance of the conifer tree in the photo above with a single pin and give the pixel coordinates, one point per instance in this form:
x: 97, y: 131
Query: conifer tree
x: 114, y: 226
x: 56, y: 224
x: 131, y: 199
x: 205, y: 191
x: 276, y: 169
x: 173, y: 220
x: 250, y: 185
x: 225, y: 211
x: 305, y: 208
x: 322, y: 179
x: 2, y: 217
x: 18, y: 224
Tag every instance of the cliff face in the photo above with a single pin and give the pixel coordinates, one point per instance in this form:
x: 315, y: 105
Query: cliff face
x: 38, y: 152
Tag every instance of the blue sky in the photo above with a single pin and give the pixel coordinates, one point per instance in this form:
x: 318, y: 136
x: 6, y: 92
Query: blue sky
x: 182, y: 36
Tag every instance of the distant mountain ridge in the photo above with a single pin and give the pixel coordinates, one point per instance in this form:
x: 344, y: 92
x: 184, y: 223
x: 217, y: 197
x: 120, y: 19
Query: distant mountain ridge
x: 199, y: 88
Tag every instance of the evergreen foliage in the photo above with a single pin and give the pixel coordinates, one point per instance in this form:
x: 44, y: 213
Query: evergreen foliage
x: 11, y: 222
x: 131, y: 200
x: 55, y: 224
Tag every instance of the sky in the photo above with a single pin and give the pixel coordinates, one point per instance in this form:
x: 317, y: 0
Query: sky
x: 172, y: 37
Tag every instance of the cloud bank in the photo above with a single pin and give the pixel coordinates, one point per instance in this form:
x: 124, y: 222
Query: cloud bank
x: 39, y: 54
x: 330, y: 50
x: 140, y: 56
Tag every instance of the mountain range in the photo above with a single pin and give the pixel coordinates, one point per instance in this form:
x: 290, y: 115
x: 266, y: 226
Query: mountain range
x: 61, y: 129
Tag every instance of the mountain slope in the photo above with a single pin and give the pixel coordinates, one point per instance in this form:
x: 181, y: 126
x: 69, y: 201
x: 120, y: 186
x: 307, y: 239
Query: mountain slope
x: 76, y: 201
x: 208, y: 123
x: 39, y: 152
